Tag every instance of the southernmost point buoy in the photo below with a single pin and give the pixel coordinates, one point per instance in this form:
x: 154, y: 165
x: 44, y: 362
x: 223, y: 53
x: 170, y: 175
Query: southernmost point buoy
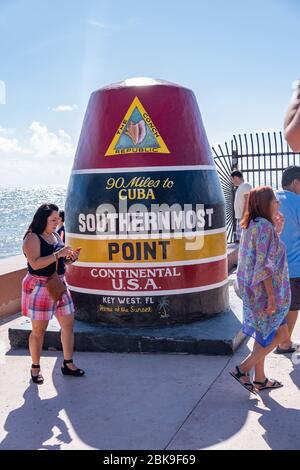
x: 145, y: 204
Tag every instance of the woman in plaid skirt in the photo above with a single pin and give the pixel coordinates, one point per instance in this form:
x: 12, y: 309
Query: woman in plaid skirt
x: 43, y: 247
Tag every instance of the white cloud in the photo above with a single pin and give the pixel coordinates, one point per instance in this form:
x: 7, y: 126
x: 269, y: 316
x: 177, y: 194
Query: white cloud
x: 38, y: 157
x: 41, y: 143
x: 44, y: 143
x: 10, y: 146
x: 61, y: 108
x: 6, y: 131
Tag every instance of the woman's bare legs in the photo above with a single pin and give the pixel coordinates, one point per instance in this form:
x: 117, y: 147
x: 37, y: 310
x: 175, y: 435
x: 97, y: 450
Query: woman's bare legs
x: 36, y: 339
x: 259, y: 353
x: 67, y: 337
x: 291, y: 319
x: 259, y: 366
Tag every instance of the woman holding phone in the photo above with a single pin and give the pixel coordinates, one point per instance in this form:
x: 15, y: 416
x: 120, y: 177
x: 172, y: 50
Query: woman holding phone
x: 46, y: 253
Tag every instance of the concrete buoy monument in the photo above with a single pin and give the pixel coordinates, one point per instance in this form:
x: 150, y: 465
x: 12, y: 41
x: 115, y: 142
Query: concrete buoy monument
x: 145, y: 204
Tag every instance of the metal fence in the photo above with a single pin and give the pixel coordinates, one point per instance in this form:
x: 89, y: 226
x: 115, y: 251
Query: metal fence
x: 261, y: 157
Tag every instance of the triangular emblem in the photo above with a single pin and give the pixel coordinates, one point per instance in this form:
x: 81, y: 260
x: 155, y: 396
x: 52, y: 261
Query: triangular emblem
x: 137, y: 133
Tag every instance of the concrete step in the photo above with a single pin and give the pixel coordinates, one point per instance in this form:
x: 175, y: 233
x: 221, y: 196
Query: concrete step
x: 220, y: 335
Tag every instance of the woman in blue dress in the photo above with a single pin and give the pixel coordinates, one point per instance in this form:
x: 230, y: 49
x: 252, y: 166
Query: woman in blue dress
x: 264, y: 287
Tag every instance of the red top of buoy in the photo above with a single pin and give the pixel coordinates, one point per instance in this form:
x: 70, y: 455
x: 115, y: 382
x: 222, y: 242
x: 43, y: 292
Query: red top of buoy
x: 142, y: 122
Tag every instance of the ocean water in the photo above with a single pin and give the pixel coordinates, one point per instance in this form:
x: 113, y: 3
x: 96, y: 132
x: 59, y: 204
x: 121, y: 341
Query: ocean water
x: 17, y: 207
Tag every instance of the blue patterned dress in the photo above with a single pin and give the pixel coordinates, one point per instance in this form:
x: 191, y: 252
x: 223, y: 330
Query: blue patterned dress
x: 262, y: 254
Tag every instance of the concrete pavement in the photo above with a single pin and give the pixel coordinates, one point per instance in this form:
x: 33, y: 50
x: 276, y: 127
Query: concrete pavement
x: 145, y: 401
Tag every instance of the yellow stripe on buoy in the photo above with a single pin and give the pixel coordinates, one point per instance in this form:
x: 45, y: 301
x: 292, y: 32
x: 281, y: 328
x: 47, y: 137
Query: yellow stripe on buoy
x: 150, y: 250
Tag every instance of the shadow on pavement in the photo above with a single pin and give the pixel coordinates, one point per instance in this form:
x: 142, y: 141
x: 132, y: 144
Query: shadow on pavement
x: 281, y: 424
x: 35, y: 422
x: 125, y: 401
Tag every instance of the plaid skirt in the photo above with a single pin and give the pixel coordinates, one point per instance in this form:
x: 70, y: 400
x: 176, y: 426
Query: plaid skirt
x: 37, y: 303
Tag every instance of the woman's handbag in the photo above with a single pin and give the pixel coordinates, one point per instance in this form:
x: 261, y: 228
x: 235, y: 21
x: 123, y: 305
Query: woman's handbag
x: 56, y: 287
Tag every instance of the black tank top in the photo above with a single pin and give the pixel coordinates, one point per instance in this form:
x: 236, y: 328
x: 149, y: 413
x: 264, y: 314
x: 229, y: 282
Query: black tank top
x: 61, y: 229
x: 46, y: 250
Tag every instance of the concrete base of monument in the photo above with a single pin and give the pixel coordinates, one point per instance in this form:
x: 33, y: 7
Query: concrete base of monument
x: 220, y: 335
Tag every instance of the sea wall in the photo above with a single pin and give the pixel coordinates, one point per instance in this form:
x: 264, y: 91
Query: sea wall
x: 12, y: 272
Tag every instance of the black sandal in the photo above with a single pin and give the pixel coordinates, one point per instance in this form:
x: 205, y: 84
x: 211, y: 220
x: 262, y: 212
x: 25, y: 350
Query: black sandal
x: 293, y: 348
x: 263, y: 385
x: 247, y: 385
x: 67, y: 371
x: 37, y: 379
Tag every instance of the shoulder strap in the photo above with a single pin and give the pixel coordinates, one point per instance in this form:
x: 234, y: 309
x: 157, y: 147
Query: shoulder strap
x: 58, y: 237
x: 56, y: 264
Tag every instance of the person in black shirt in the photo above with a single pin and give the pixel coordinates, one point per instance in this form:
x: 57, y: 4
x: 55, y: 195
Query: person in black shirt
x: 44, y: 250
x: 61, y: 226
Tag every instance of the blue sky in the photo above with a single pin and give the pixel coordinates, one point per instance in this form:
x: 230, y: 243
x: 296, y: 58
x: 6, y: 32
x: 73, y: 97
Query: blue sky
x: 239, y: 58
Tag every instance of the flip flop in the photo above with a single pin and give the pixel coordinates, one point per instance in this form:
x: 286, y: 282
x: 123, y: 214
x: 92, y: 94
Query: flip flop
x: 263, y: 385
x: 247, y: 385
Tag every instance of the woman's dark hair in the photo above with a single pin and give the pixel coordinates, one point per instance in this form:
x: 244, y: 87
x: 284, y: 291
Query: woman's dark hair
x: 39, y: 221
x: 258, y: 205
x: 62, y: 215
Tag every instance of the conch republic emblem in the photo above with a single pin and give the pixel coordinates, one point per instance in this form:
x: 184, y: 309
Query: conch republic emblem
x: 137, y: 133
x: 145, y: 204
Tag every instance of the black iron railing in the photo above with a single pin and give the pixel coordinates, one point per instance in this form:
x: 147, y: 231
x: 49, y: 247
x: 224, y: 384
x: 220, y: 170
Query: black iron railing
x: 261, y: 157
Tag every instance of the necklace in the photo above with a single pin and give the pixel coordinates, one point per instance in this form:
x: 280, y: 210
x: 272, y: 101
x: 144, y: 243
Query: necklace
x: 48, y: 236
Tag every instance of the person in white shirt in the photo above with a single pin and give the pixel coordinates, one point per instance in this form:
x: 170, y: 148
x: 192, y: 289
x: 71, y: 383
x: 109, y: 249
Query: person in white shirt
x: 292, y: 119
x: 240, y: 200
